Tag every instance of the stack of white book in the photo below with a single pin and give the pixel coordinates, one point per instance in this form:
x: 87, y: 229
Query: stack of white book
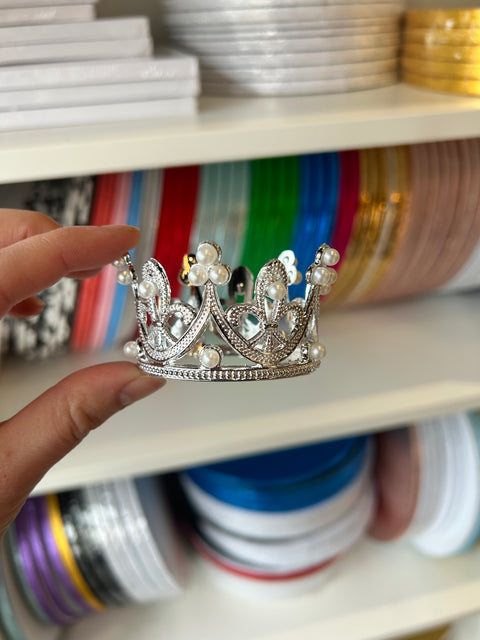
x: 59, y: 66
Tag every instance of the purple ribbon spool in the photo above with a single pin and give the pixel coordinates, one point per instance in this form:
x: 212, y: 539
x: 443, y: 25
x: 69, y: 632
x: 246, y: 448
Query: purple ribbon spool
x: 35, y: 573
x: 55, y: 559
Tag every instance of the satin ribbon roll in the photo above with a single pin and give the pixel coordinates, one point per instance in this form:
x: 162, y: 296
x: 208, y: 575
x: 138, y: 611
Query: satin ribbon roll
x: 180, y: 185
x: 347, y: 200
x: 451, y: 70
x: 236, y: 213
x: 56, y: 563
x: 132, y: 218
x: 445, y: 85
x: 443, y: 37
x: 146, y: 516
x: 388, y: 25
x: 312, y: 186
x: 443, y: 18
x: 300, y: 74
x: 249, y: 570
x: 442, y: 244
x: 106, y: 289
x: 255, y: 583
x: 367, y: 225
x: 298, y: 553
x: 67, y: 555
x: 464, y: 229
x: 28, y: 595
x: 101, y: 208
x: 441, y: 54
x: 395, y: 222
x: 52, y: 585
x: 16, y: 621
x: 324, y: 48
x: 260, y: 197
x: 291, y: 32
x: 332, y: 85
x: 244, y: 16
x: 219, y: 5
x: 149, y: 221
x: 468, y: 276
x: 272, y: 525
x: 33, y: 573
x: 82, y: 535
x: 279, y: 60
x: 458, y: 504
x: 232, y: 484
x: 397, y: 479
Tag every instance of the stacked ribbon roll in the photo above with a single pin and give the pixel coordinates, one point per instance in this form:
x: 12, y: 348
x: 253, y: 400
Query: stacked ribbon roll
x: 441, y: 50
x: 273, y: 524
x: 428, y: 484
x: 273, y: 47
x: 406, y: 221
x: 75, y: 553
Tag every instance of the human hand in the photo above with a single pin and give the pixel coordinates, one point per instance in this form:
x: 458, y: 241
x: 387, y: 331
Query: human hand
x: 35, y: 252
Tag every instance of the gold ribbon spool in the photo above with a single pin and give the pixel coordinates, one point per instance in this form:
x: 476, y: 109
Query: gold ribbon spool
x: 439, y: 37
x: 367, y: 224
x: 451, y: 70
x: 443, y: 18
x: 441, y: 53
x: 396, y: 214
x: 67, y: 556
x: 446, y: 85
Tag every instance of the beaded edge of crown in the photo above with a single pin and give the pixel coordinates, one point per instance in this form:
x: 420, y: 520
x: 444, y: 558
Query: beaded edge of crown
x: 269, y: 336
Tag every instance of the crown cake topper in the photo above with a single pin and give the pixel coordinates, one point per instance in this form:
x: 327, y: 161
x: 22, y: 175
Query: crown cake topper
x: 265, y: 336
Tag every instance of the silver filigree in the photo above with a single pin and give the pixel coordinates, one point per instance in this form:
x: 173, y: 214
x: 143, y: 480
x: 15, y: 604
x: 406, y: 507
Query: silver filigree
x: 269, y: 336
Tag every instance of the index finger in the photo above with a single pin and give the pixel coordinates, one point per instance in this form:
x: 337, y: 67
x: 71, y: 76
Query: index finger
x: 33, y: 264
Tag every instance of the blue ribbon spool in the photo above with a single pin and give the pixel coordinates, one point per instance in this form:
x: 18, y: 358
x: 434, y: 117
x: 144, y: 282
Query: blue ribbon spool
x: 285, y: 480
x: 136, y: 203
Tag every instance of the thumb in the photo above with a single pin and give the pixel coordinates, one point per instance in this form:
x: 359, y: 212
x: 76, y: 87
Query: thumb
x: 52, y: 425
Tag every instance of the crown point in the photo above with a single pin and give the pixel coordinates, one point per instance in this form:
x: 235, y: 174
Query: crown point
x: 124, y: 277
x: 219, y: 274
x: 276, y: 290
x: 147, y: 289
x: 317, y: 351
x: 130, y: 349
x: 330, y: 257
x: 209, y: 357
x: 198, y: 275
x: 207, y: 254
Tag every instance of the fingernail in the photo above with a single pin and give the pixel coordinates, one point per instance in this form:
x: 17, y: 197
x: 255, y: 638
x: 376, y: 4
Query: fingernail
x: 39, y: 304
x: 138, y: 388
x: 119, y: 227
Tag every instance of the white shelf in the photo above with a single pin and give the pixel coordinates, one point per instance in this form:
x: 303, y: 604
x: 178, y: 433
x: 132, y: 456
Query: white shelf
x: 385, y: 366
x: 377, y: 592
x: 235, y: 129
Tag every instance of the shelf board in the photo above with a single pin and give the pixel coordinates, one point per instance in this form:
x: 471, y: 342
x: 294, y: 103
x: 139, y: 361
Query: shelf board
x: 242, y: 128
x: 385, y: 366
x: 376, y: 592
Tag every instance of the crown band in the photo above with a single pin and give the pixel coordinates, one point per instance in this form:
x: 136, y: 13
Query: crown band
x: 266, y: 336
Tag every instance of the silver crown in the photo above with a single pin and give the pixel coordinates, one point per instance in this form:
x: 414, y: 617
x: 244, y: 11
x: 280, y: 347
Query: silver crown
x: 264, y: 337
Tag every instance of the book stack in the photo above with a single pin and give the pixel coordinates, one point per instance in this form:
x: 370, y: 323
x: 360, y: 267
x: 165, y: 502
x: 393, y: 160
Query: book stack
x: 59, y: 65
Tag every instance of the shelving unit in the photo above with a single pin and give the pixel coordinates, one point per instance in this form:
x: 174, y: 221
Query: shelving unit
x: 385, y: 366
x: 242, y: 128
x: 377, y: 592
x: 396, y: 363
